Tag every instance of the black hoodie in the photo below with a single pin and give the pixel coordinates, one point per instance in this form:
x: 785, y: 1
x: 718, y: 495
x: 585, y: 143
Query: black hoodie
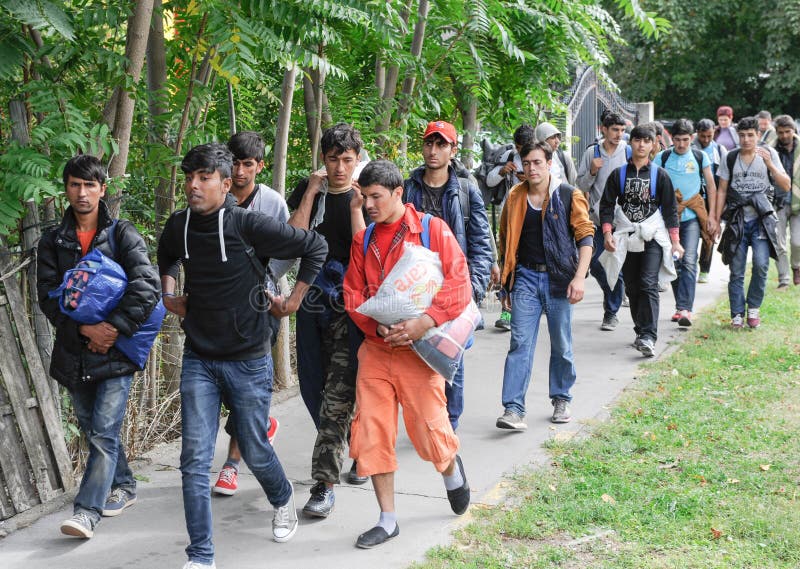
x: 224, y: 254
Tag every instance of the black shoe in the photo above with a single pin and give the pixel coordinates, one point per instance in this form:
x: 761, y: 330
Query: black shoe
x: 459, y: 498
x: 352, y: 477
x: 320, y: 504
x: 376, y: 536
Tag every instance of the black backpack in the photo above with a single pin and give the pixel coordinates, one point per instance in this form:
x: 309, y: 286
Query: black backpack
x: 492, y: 157
x: 730, y: 160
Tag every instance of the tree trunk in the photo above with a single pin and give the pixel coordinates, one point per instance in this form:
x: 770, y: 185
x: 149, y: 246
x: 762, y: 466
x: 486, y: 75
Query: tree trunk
x: 468, y: 105
x: 231, y: 110
x: 404, y: 104
x: 389, y: 92
x: 310, y: 108
x: 135, y: 45
x: 380, y: 76
x: 158, y: 106
x: 280, y: 352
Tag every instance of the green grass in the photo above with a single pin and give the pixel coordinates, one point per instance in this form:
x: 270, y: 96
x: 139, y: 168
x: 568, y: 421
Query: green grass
x: 699, y: 466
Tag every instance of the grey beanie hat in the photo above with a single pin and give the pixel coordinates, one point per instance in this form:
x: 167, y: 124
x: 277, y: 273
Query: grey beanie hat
x: 544, y: 131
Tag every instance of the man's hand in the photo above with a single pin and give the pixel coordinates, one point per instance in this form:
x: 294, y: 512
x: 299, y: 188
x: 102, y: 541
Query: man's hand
x: 521, y: 176
x: 765, y: 155
x: 315, y: 182
x: 101, y: 336
x: 576, y: 289
x: 408, y: 331
x: 357, y: 200
x: 595, y: 166
x: 508, y: 168
x: 176, y: 304
x: 712, y: 227
x: 280, y: 306
x: 505, y: 301
x: 677, y: 249
x: 494, y: 278
x: 609, y: 243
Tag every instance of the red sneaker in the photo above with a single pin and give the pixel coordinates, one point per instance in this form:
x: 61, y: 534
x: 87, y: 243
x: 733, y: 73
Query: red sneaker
x: 274, y: 425
x: 676, y: 316
x: 753, y: 318
x: 228, y: 481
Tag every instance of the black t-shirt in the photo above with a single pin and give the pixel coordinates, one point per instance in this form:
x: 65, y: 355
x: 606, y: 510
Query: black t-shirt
x: 249, y: 199
x: 432, y: 200
x: 531, y: 238
x: 335, y: 227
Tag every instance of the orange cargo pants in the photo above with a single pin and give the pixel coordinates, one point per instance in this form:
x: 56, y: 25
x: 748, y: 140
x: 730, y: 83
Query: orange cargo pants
x: 388, y: 376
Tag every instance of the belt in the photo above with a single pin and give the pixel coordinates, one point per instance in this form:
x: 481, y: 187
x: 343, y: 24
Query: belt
x: 537, y: 267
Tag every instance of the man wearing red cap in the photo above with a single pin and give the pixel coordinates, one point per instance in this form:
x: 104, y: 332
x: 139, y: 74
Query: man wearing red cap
x: 443, y: 188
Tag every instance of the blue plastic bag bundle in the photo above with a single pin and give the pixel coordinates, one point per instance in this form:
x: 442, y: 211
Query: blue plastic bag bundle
x: 92, y: 289
x: 137, y: 347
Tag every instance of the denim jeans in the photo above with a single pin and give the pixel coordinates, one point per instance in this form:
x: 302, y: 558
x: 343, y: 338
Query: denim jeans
x: 100, y: 408
x: 530, y: 298
x: 612, y: 299
x: 247, y: 388
x: 640, y: 271
x: 455, y: 396
x: 683, y: 288
x: 753, y: 236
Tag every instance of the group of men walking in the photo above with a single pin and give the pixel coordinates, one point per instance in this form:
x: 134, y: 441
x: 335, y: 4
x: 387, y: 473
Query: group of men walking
x: 634, y: 221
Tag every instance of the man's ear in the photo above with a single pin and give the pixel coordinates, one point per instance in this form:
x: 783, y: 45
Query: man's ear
x: 226, y: 185
x: 259, y: 166
x: 453, y: 150
x: 103, y: 188
x: 399, y: 190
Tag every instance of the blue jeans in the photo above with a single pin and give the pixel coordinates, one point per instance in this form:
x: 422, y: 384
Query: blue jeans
x: 612, y: 299
x: 684, y: 286
x: 100, y: 408
x: 455, y: 396
x: 753, y: 236
x: 247, y: 388
x: 530, y: 298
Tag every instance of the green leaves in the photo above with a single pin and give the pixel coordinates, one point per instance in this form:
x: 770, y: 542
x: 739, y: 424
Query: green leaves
x: 42, y: 15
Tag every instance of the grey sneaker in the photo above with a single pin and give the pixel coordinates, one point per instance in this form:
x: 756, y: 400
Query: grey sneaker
x: 561, y: 412
x: 610, y: 322
x: 79, y: 525
x: 512, y: 421
x: 320, y: 504
x: 118, y: 501
x: 284, y: 521
x: 647, y: 347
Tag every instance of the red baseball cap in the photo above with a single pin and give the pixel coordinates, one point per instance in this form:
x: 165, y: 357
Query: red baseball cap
x: 445, y: 129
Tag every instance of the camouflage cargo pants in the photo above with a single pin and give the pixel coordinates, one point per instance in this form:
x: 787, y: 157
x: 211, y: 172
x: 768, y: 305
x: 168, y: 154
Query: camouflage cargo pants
x: 338, y: 399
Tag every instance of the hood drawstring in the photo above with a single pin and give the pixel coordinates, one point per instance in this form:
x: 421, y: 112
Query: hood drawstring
x: 185, y: 232
x: 219, y: 229
x: 221, y: 236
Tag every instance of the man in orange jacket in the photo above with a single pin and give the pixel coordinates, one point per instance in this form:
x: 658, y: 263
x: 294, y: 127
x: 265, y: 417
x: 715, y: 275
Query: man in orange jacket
x: 389, y: 372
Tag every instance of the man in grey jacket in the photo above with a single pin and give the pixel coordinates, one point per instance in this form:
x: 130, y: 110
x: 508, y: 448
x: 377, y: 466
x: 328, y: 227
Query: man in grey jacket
x: 597, y: 162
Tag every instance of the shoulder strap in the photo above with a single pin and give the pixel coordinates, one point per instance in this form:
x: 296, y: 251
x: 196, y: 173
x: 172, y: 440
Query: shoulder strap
x: 367, y: 236
x: 628, y: 152
x: 623, y: 173
x: 463, y: 200
x: 730, y: 159
x: 665, y: 157
x: 597, y: 150
x: 698, y: 156
x: 259, y: 269
x: 425, y: 236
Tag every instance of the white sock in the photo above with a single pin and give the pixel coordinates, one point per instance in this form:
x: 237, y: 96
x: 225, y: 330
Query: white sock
x: 388, y: 521
x: 455, y: 480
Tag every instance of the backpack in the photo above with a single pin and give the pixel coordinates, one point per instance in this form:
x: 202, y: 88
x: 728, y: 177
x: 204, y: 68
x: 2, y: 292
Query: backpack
x: 492, y: 158
x: 628, y: 151
x: 425, y: 237
x: 698, y: 157
x: 464, y: 177
x: 623, y: 173
x: 730, y: 160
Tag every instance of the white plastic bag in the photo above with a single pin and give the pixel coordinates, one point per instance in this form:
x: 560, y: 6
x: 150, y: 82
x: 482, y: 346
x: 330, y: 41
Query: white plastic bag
x: 408, y: 290
x: 443, y: 347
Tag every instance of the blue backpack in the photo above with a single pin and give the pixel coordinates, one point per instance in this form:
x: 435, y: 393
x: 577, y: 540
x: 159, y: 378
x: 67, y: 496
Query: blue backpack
x: 426, y: 233
x: 628, y: 151
x: 623, y: 172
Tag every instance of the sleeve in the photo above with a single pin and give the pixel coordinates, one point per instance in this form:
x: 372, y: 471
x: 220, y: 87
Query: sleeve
x: 666, y: 195
x: 49, y: 278
x: 273, y: 239
x: 572, y: 173
x: 167, y: 258
x: 144, y: 287
x: 297, y: 194
x: 585, y: 178
x: 355, y: 287
x: 722, y: 171
x: 609, y: 198
x: 706, y: 161
x: 279, y: 267
x: 582, y: 226
x: 456, y: 291
x: 493, y: 178
x: 479, y: 248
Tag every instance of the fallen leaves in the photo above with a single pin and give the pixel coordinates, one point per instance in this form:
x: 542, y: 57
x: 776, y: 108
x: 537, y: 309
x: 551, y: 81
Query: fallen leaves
x: 716, y: 533
x: 764, y: 467
x: 608, y: 499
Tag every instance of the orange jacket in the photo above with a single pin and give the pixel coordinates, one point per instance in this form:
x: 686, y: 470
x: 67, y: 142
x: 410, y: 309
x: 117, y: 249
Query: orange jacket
x: 363, y: 276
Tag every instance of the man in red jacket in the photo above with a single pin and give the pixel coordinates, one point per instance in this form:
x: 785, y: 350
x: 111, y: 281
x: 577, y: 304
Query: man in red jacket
x: 389, y: 372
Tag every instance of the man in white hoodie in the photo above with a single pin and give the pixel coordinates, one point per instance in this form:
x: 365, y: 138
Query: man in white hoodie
x: 597, y: 162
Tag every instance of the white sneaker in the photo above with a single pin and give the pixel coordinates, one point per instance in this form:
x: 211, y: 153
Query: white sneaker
x: 284, y: 521
x: 196, y: 565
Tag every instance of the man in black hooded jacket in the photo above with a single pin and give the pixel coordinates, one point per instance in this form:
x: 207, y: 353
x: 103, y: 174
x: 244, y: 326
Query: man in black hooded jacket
x: 97, y: 375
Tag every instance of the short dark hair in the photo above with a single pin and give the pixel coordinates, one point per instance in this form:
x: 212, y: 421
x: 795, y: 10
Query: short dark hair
x: 747, y: 123
x: 525, y: 134
x: 341, y: 137
x: 644, y: 131
x: 85, y: 167
x: 531, y: 146
x: 382, y: 173
x: 705, y: 124
x: 785, y: 121
x: 682, y: 126
x: 764, y: 115
x: 209, y: 158
x: 610, y: 118
x: 247, y: 144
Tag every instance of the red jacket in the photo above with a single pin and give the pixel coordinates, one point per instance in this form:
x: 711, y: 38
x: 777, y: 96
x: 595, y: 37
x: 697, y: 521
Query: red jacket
x: 363, y: 275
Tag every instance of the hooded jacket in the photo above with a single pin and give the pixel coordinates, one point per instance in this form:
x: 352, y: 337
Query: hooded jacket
x: 224, y: 255
x: 734, y: 228
x: 473, y: 236
x: 59, y: 250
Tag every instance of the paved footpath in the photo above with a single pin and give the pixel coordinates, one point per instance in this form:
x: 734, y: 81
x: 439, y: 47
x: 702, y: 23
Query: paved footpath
x: 152, y: 534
